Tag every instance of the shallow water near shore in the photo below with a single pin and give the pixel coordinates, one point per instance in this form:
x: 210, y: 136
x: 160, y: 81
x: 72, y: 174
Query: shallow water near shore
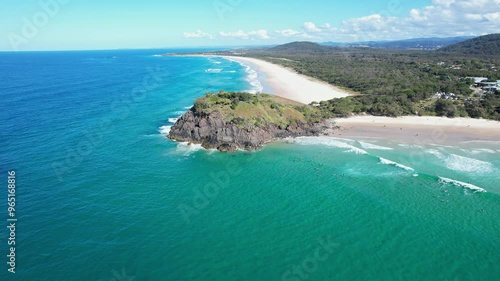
x: 132, y: 204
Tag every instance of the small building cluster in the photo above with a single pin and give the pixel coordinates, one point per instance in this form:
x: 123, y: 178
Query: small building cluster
x: 446, y: 96
x: 482, y: 82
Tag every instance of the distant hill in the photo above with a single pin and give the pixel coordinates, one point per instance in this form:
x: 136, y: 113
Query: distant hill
x: 408, y: 44
x: 301, y: 47
x: 483, y: 45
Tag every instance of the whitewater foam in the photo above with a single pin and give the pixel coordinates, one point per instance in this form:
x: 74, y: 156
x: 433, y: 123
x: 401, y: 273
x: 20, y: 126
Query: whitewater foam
x: 173, y: 120
x: 179, y: 113
x: 366, y: 145
x: 213, y: 70
x: 164, y: 130
x: 252, y: 77
x: 461, y: 184
x: 328, y: 142
x: 462, y: 163
x: 186, y: 148
x: 480, y: 151
x: 389, y: 162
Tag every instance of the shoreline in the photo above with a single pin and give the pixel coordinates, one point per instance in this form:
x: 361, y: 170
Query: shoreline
x: 419, y: 129
x: 290, y: 85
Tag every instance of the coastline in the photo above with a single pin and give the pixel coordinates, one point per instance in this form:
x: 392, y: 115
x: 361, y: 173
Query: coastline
x: 286, y: 83
x: 419, y: 129
x: 291, y: 85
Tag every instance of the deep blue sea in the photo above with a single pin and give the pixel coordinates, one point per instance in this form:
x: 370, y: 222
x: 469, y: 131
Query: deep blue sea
x: 101, y: 194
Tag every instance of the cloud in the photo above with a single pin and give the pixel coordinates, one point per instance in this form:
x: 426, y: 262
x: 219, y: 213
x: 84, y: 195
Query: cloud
x: 288, y: 32
x: 443, y: 18
x: 240, y: 34
x: 311, y: 27
x: 198, y: 34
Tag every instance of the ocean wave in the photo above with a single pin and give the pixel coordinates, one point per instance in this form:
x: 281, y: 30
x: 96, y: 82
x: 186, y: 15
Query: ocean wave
x: 480, y: 151
x: 173, y: 120
x: 164, y: 130
x: 462, y: 163
x: 252, y: 77
x: 212, y: 60
x: 409, y: 145
x: 214, y: 70
x: 187, y: 148
x: 366, y: 145
x: 389, y: 162
x: 461, y: 184
x: 179, y: 113
x: 328, y: 142
x: 253, y: 80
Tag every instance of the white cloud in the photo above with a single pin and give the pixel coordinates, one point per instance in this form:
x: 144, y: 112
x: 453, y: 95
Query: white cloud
x: 288, y: 32
x: 198, y: 34
x: 261, y: 34
x: 311, y: 27
x: 444, y: 18
x: 240, y: 34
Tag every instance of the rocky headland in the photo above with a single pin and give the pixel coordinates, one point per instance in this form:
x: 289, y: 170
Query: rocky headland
x: 232, y: 121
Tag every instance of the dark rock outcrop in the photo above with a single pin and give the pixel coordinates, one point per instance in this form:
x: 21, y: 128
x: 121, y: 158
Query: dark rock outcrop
x: 212, y: 131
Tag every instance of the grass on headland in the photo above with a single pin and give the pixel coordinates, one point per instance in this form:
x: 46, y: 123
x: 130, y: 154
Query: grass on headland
x: 247, y: 110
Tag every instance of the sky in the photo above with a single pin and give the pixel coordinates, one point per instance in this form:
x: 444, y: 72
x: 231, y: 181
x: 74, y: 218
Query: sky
x: 115, y: 24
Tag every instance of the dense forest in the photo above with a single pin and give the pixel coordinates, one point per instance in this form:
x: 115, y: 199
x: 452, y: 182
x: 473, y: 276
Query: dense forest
x: 484, y: 45
x: 398, y: 82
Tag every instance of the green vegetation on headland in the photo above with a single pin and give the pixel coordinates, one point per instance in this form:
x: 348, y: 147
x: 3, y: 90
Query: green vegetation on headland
x: 247, y: 110
x: 396, y: 82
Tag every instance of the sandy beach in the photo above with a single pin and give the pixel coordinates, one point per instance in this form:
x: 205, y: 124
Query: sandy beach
x: 291, y: 85
x: 421, y: 130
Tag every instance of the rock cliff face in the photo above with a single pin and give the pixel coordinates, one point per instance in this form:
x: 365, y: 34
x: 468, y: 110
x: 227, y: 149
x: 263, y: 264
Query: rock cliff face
x: 212, y: 131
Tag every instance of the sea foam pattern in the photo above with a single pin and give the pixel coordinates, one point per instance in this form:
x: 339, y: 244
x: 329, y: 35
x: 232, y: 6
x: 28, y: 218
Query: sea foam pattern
x: 333, y: 142
x: 389, y: 162
x: 461, y: 184
x: 461, y: 163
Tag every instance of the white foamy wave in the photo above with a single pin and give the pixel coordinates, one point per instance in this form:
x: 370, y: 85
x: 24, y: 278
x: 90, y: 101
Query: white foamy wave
x: 389, y: 162
x: 253, y: 80
x: 461, y: 163
x: 366, y: 145
x: 232, y: 71
x: 480, y: 151
x: 179, y: 113
x: 252, y: 77
x: 186, y: 148
x: 409, y: 145
x: 212, y: 60
x: 461, y: 184
x: 157, y: 56
x: 328, y: 142
x: 213, y: 70
x: 165, y: 130
x: 188, y: 107
x: 173, y: 120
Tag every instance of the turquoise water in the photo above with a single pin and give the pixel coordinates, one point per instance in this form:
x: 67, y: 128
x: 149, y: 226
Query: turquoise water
x: 103, y: 195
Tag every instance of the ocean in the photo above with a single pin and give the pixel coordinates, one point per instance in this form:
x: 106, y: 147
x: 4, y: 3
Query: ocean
x: 102, y: 194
